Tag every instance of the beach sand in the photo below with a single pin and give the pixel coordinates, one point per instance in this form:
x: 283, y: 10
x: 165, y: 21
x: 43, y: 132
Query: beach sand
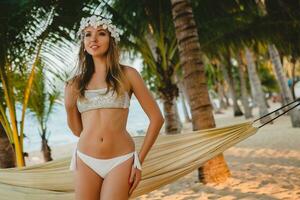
x: 265, y: 166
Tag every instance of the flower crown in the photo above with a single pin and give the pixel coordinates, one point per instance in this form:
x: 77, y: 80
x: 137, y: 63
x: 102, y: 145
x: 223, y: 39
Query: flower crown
x: 98, y: 21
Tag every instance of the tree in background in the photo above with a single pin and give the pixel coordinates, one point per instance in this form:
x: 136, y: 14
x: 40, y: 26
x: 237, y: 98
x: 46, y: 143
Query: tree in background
x: 154, y: 39
x: 41, y: 105
x: 195, y: 84
x: 27, y: 29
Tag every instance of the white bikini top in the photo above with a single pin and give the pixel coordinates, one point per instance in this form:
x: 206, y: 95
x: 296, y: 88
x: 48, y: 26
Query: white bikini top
x: 97, y: 98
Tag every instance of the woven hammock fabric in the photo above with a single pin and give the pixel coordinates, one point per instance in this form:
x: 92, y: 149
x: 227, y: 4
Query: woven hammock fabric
x: 171, y: 157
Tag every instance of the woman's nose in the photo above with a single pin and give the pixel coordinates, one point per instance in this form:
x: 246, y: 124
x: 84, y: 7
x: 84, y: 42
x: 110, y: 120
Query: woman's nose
x: 93, y: 37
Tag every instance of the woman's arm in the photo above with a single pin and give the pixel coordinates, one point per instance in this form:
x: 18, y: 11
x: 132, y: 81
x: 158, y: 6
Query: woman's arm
x: 150, y: 107
x: 73, y: 115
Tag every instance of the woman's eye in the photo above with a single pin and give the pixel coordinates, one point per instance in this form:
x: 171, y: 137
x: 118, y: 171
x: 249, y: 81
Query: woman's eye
x: 100, y: 33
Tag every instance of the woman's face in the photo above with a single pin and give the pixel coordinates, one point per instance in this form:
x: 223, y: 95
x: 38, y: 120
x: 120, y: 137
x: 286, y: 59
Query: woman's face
x: 96, y: 40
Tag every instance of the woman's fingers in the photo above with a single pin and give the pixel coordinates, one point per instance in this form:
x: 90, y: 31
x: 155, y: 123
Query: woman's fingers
x: 133, y: 186
x: 135, y: 183
x: 132, y: 174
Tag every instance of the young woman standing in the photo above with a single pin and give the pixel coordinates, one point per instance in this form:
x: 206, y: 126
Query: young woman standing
x: 97, y: 98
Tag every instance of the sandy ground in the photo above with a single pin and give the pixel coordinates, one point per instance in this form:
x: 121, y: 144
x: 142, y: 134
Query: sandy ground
x: 265, y: 166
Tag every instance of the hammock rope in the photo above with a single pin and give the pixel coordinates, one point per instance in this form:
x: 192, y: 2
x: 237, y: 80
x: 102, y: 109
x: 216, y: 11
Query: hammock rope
x: 276, y: 112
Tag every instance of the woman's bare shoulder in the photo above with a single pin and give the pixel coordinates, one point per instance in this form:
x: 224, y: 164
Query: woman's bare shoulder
x: 135, y: 79
x: 130, y: 71
x: 71, y: 84
x: 127, y: 68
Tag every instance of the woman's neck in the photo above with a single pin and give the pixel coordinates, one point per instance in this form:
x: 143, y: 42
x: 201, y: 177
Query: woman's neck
x: 100, y: 64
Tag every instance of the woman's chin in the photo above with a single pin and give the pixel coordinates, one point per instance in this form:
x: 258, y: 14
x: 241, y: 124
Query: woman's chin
x: 97, y: 54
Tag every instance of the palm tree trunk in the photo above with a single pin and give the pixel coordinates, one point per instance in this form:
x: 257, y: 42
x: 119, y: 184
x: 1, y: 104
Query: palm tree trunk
x: 293, y: 60
x: 195, y: 84
x: 229, y: 79
x: 182, y: 94
x: 220, y: 89
x: 284, y: 88
x: 221, y: 95
x: 244, y: 92
x: 7, y: 154
x: 46, y: 150
x: 256, y: 87
x: 172, y: 120
x: 226, y: 97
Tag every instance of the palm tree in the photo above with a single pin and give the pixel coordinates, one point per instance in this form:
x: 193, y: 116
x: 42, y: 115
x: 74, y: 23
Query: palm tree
x: 227, y: 70
x: 284, y: 88
x: 24, y: 28
x: 285, y: 34
x: 219, y: 84
x: 41, y: 105
x: 195, y: 84
x: 284, y: 38
x: 155, y: 41
x: 182, y: 94
x: 213, y: 78
x: 239, y: 24
x: 244, y: 91
x: 225, y: 27
x: 256, y: 87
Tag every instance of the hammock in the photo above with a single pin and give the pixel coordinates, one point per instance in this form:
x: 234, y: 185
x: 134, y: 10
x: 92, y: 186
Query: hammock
x: 170, y: 158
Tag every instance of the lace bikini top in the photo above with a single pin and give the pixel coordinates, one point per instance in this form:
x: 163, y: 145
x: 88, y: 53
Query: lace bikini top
x: 98, y: 99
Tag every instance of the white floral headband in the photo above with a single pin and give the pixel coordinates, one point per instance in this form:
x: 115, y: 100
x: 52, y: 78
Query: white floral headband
x: 98, y: 21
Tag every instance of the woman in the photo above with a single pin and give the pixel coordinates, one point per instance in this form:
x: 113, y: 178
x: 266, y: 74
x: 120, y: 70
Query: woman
x: 97, y: 99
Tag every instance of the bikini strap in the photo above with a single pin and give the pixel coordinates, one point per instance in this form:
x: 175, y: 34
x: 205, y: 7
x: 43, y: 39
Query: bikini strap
x: 136, y: 161
x: 73, y: 164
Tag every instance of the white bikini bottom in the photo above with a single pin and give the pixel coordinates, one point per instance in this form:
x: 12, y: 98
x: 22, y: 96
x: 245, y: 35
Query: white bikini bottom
x: 103, y: 166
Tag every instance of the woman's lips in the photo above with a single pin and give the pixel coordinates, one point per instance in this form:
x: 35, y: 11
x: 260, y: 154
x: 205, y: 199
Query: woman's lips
x: 94, y: 47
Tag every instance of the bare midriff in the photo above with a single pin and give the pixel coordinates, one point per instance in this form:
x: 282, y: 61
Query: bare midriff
x: 104, y: 133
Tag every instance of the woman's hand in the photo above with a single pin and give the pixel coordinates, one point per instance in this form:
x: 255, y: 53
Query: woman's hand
x: 135, y: 177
